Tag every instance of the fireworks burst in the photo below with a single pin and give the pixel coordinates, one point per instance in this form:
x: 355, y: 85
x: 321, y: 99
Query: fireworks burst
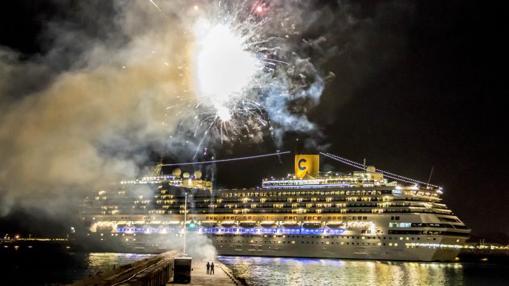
x: 224, y: 66
x: 244, y: 71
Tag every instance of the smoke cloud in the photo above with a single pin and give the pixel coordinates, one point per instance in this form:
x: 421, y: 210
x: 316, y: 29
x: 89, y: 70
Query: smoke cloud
x: 115, y: 84
x: 88, y: 111
x: 92, y: 122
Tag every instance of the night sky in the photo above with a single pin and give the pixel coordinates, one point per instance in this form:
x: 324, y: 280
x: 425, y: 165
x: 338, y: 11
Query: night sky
x: 419, y: 86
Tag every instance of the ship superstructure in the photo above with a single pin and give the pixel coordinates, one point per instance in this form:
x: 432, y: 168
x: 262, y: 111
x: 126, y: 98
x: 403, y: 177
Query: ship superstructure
x: 360, y: 215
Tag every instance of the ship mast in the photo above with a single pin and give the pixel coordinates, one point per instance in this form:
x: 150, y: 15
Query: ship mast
x: 430, y: 174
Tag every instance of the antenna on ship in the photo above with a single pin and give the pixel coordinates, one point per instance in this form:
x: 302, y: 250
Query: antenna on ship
x: 364, y: 163
x: 157, y: 171
x: 279, y: 157
x: 296, y: 147
x: 430, y: 174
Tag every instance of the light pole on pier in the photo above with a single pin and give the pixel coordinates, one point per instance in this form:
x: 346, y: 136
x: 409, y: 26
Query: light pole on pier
x: 185, y: 222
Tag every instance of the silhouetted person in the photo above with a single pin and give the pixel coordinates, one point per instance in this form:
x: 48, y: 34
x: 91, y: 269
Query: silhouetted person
x: 208, y: 267
x: 212, y: 268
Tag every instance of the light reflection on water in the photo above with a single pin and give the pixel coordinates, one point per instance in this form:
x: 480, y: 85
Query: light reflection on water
x: 298, y: 271
x: 49, y: 267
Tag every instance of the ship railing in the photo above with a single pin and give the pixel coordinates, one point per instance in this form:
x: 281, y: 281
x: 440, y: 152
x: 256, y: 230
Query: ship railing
x: 274, y: 231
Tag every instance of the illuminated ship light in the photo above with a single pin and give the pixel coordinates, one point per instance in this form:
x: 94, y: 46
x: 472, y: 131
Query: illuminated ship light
x: 234, y: 230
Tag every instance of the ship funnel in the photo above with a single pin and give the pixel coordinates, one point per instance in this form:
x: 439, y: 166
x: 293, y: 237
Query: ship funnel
x: 307, y: 165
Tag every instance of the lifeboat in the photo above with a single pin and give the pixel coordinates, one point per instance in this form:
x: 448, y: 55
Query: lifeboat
x: 290, y: 224
x: 247, y: 223
x: 228, y: 223
x: 335, y: 224
x: 209, y: 223
x: 312, y: 224
x: 268, y: 223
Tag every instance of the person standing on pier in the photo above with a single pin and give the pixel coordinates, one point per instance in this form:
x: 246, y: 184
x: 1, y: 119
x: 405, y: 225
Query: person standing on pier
x: 212, y: 268
x: 208, y: 267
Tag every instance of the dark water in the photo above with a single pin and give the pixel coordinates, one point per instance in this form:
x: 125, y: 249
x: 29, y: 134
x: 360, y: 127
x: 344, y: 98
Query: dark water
x: 289, y: 271
x: 59, y: 266
x: 55, y: 266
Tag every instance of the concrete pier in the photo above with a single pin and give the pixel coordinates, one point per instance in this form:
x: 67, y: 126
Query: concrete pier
x: 154, y: 271
x: 158, y: 271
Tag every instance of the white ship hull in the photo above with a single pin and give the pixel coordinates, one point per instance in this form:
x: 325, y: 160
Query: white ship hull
x: 335, y: 247
x: 355, y: 241
x: 318, y: 248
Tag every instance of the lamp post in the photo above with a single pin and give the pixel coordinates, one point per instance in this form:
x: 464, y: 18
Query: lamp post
x: 185, y: 222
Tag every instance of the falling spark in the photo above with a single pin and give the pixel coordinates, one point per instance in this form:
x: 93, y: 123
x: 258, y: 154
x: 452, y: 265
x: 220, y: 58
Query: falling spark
x: 153, y: 3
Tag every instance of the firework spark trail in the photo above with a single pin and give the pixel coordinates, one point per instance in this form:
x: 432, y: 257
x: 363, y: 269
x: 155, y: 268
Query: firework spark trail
x: 227, y: 160
x: 241, y: 60
x: 153, y: 3
x: 202, y: 140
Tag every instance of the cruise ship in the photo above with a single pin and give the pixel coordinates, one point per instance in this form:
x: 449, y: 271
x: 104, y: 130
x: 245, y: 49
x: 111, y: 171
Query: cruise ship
x: 366, y: 214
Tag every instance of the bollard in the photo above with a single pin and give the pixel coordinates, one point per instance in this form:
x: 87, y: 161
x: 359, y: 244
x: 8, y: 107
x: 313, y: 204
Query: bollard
x: 182, y: 269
